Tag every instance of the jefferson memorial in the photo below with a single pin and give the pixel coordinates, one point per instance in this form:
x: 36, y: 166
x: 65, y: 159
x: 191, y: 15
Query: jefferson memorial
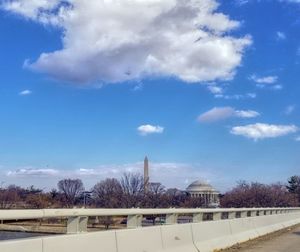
x: 201, y: 189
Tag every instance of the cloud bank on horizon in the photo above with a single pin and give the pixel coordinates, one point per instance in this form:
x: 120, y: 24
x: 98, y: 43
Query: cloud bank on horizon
x: 169, y: 174
x: 106, y: 42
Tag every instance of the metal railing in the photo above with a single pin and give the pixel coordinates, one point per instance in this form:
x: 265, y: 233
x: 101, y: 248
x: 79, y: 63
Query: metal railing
x: 78, y: 218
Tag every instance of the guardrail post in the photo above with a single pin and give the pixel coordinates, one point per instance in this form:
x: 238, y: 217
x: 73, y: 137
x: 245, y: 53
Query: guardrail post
x: 171, y: 219
x: 261, y: 213
x: 197, y: 217
x: 134, y: 221
x: 77, y: 224
x: 244, y: 214
x: 83, y: 223
x: 252, y: 213
x: 217, y: 216
x: 231, y: 215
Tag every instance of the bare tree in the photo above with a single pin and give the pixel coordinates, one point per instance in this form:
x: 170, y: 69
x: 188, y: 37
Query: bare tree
x: 133, y: 189
x: 108, y: 193
x: 9, y: 197
x: 258, y: 195
x: 153, y: 197
x: 71, y: 189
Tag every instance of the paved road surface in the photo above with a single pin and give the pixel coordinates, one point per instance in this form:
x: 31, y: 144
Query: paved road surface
x: 286, y: 242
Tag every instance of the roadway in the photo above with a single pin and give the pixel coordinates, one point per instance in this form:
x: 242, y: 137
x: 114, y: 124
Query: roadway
x: 287, y: 241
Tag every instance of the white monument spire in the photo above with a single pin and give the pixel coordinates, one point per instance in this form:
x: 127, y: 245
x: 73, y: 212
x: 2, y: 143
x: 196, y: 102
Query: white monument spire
x: 146, y: 174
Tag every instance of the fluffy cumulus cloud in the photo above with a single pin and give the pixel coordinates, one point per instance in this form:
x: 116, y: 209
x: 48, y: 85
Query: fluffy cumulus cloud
x: 111, y: 41
x: 222, y: 113
x: 43, y: 11
x: 261, y: 131
x: 148, y: 129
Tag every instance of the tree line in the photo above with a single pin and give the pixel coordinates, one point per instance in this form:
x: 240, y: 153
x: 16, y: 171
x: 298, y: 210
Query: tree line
x: 128, y: 192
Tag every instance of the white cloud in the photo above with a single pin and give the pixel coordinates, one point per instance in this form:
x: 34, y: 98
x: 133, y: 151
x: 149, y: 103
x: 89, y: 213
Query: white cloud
x: 289, y: 109
x: 25, y: 92
x: 269, y: 82
x: 39, y: 10
x: 280, y: 35
x: 222, y: 113
x: 33, y: 172
x: 277, y: 87
x: 138, y: 87
x: 216, y: 114
x: 264, y: 80
x: 247, y: 113
x: 261, y: 131
x: 215, y: 89
x: 148, y: 129
x: 236, y: 96
x: 119, y: 40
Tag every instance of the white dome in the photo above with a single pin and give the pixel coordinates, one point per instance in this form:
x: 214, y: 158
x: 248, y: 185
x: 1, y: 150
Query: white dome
x: 200, y: 186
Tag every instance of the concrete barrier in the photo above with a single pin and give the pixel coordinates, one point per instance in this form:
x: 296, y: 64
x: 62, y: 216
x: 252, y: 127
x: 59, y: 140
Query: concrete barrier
x: 287, y: 220
x: 139, y: 240
x: 25, y: 245
x: 89, y: 242
x: 267, y: 224
x: 243, y: 229
x: 177, y: 238
x: 205, y: 236
x: 212, y: 235
x: 291, y: 219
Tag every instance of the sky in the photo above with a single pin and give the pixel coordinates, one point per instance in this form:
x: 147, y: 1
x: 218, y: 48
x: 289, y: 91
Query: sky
x: 206, y: 89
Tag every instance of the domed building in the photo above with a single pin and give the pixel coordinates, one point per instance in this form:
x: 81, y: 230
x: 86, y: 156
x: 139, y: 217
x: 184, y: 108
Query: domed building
x: 201, y: 189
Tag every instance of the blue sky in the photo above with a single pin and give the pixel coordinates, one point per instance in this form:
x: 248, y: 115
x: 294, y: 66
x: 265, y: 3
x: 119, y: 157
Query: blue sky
x: 88, y: 88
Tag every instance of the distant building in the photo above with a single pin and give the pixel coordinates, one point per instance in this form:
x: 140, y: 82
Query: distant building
x: 201, y: 189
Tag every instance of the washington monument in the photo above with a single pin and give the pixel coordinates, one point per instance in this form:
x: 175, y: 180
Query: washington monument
x: 146, y: 174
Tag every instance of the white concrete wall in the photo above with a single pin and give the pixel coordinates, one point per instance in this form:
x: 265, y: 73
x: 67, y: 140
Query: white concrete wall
x: 203, y: 236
